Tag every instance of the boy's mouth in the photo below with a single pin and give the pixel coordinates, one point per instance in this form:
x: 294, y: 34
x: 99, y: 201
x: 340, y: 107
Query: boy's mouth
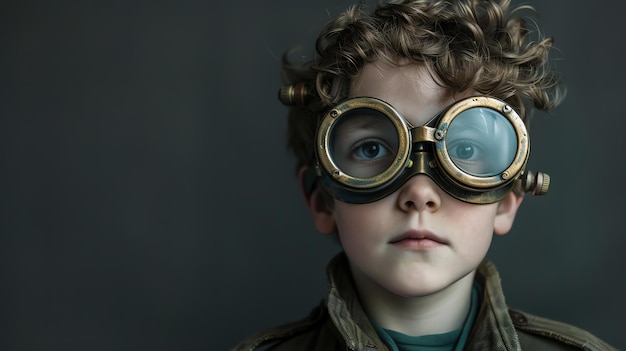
x: 418, y: 239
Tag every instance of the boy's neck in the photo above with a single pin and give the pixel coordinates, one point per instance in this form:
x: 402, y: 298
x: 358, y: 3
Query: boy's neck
x: 437, y: 313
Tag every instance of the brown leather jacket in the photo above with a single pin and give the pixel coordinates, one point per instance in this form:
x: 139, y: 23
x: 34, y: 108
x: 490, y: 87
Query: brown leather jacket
x: 341, y: 324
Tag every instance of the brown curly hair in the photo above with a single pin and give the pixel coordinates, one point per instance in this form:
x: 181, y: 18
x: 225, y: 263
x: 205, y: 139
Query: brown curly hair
x: 482, y: 45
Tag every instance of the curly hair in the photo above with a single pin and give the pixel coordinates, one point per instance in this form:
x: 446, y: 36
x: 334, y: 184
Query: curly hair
x: 482, y: 45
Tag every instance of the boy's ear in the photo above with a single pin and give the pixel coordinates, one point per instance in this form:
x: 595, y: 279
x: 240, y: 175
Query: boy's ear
x: 505, y: 215
x: 322, y: 216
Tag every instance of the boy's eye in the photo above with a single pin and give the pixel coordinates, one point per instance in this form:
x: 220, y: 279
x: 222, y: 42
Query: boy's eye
x: 471, y: 156
x: 369, y: 150
x: 465, y: 151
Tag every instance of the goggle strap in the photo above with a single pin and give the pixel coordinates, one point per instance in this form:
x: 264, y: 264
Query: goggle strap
x: 309, y: 179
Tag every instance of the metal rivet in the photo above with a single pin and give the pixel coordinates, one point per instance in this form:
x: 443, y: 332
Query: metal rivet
x: 334, y: 113
x: 505, y: 175
x: 506, y: 109
x: 439, y: 134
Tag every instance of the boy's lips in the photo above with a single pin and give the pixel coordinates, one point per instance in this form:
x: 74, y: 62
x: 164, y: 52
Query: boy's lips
x: 418, y: 238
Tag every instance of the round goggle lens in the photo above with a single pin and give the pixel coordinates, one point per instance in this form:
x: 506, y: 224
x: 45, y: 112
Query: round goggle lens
x: 481, y: 142
x: 363, y: 143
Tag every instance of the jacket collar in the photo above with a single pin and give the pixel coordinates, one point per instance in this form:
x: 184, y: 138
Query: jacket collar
x: 345, y: 308
x: 493, y: 328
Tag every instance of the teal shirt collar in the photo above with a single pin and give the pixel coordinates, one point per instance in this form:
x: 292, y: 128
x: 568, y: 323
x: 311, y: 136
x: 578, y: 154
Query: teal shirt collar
x: 451, y: 341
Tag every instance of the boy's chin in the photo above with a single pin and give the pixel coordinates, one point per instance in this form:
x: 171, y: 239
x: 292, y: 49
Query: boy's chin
x: 429, y: 287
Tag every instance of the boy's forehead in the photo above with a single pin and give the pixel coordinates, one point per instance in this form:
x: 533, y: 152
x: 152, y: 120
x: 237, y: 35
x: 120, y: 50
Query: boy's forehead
x: 409, y: 88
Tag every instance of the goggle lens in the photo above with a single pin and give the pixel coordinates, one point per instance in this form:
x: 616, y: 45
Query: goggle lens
x: 363, y: 143
x: 481, y: 142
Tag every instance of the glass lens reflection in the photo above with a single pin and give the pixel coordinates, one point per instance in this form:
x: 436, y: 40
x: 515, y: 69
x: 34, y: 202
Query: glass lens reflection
x: 481, y: 142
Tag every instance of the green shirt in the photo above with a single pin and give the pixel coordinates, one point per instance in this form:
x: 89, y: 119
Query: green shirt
x: 451, y: 341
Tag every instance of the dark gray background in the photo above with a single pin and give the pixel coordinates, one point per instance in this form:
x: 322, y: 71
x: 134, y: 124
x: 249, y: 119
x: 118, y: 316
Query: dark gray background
x: 148, y: 201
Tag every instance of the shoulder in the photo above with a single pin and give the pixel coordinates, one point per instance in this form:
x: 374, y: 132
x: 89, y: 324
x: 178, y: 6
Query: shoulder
x: 538, y: 333
x: 309, y: 333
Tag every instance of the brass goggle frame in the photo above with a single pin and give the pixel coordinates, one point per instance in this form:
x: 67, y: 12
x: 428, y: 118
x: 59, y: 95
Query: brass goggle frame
x: 423, y: 150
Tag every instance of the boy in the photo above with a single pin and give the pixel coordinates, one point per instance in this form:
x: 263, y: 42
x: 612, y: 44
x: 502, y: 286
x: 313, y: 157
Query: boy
x: 410, y: 133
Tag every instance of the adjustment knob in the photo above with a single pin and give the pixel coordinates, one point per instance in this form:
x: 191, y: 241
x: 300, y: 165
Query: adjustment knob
x: 536, y: 183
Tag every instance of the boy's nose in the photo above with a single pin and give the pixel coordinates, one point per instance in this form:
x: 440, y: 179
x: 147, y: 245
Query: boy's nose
x: 419, y: 193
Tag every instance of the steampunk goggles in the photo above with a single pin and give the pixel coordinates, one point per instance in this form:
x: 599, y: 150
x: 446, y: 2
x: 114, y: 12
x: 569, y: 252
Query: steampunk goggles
x: 476, y: 150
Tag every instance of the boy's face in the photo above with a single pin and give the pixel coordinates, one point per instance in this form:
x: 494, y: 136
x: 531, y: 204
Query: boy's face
x: 418, y: 240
